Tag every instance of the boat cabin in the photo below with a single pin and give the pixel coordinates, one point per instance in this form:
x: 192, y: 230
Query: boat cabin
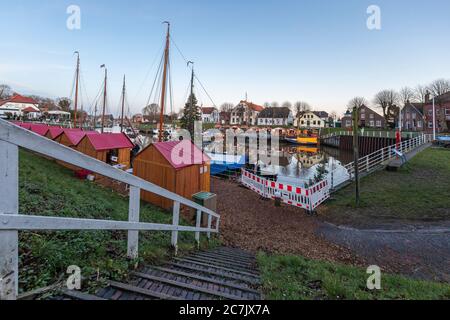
x: 178, y: 166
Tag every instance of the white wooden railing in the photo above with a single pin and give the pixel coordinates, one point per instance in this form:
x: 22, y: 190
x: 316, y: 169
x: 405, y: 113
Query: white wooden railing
x: 383, y: 156
x: 371, y: 134
x: 11, y: 138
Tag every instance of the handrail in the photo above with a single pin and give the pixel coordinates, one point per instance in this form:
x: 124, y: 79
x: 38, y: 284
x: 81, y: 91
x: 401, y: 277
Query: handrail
x: 29, y: 140
x: 11, y: 138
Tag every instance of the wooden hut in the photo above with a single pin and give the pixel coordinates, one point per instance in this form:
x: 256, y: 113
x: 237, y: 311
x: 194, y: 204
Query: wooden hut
x: 54, y: 132
x: 40, y: 129
x: 112, y: 148
x: 71, y: 138
x: 178, y: 166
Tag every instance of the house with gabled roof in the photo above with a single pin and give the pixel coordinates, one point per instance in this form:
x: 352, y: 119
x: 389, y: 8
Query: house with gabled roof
x: 275, y: 117
x: 18, y: 105
x: 210, y: 115
x: 246, y: 113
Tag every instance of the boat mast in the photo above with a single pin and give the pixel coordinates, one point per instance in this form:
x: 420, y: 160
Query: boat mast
x: 123, y: 104
x: 163, y: 94
x: 95, y: 116
x: 192, y: 85
x: 104, y: 97
x: 77, y: 77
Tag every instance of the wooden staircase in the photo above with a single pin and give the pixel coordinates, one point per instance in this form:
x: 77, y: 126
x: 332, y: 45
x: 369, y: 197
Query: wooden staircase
x: 221, y: 273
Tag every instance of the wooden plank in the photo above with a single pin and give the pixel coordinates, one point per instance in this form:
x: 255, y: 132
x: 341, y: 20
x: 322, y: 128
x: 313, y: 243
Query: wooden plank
x: 198, y: 225
x: 206, y: 279
x: 226, y: 260
x: 248, y: 259
x: 81, y: 296
x: 230, y: 264
x: 216, y: 273
x: 175, y: 223
x: 9, y: 206
x: 247, y: 274
x: 144, y: 292
x: 133, y: 216
x: 31, y: 141
x: 38, y: 223
x: 187, y: 286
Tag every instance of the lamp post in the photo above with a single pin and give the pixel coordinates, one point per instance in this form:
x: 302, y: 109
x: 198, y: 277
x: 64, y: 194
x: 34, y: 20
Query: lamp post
x: 434, y: 120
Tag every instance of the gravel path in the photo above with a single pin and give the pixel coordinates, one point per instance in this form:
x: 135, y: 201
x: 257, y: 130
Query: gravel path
x: 422, y: 254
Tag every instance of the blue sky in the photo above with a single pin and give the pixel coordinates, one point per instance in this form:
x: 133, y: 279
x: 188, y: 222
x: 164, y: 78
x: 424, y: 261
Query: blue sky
x: 319, y: 51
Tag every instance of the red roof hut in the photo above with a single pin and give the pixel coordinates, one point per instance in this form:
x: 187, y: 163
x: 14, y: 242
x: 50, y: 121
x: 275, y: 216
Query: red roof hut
x: 112, y: 148
x: 178, y: 166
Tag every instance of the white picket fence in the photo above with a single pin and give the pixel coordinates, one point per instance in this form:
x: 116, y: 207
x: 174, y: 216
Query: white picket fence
x: 11, y: 138
x: 310, y: 198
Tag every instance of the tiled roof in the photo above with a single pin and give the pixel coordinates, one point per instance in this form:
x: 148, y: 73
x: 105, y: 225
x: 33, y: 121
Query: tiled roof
x: 208, y: 110
x: 17, y: 98
x: 275, y: 113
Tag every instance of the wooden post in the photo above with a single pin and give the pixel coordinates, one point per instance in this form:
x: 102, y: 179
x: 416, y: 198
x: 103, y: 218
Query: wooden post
x: 356, y: 151
x: 9, y: 204
x: 133, y: 216
x: 198, y: 225
x: 209, y: 225
x: 176, y: 223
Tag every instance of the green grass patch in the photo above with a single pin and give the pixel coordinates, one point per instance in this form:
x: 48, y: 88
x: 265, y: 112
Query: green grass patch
x: 48, y: 189
x: 296, y: 278
x: 418, y: 191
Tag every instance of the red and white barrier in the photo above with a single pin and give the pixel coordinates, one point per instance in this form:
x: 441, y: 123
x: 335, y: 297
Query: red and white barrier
x: 305, y: 198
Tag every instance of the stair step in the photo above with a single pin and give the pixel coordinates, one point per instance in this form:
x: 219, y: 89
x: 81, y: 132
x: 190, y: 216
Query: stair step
x: 206, y: 279
x: 77, y: 295
x: 229, y: 262
x: 226, y: 258
x: 231, y: 266
x: 248, y: 274
x: 233, y: 251
x: 230, y: 275
x: 141, y: 291
x: 187, y: 286
x: 225, y: 255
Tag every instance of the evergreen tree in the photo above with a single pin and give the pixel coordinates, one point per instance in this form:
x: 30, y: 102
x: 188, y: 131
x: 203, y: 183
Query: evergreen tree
x: 191, y: 114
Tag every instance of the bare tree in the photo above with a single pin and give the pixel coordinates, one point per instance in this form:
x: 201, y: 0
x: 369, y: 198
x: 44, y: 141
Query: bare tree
x: 5, y: 91
x: 421, y: 93
x: 300, y: 107
x: 387, y: 101
x: 437, y: 88
x: 266, y: 105
x: 357, y: 102
x: 406, y: 95
x: 151, y: 111
x: 226, y: 107
x: 64, y: 104
x: 287, y: 104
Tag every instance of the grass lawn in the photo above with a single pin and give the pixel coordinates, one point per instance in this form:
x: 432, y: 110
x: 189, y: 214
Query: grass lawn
x: 420, y: 191
x: 296, y: 278
x: 51, y: 190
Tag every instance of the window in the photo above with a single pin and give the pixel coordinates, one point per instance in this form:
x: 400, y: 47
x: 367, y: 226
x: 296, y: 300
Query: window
x: 379, y: 123
x: 372, y: 123
x: 414, y: 115
x: 363, y: 116
x: 447, y: 112
x: 430, y: 124
x: 348, y: 123
x: 419, y: 124
x: 430, y: 112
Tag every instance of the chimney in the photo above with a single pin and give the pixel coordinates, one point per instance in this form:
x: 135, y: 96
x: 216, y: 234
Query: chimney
x: 427, y: 97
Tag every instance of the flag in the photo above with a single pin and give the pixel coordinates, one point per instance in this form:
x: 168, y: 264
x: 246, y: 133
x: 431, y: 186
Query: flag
x: 103, y: 66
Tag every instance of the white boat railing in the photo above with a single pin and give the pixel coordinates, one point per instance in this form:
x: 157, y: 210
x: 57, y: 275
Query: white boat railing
x: 11, y: 138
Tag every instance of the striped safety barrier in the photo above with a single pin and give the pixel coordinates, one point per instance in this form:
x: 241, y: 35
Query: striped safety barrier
x: 305, y: 198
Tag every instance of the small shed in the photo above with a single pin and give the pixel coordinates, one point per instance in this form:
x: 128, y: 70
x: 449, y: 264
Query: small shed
x: 71, y: 138
x: 40, y: 129
x: 54, y: 132
x: 178, y: 166
x: 112, y: 148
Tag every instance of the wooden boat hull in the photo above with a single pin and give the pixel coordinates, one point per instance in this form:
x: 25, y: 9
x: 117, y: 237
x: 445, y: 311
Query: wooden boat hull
x: 304, y: 140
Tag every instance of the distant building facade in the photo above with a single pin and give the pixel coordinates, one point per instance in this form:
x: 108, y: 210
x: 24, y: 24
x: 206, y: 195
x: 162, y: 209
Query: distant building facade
x: 275, y: 117
x: 245, y: 113
x: 412, y: 117
x: 210, y: 115
x: 442, y: 116
x: 224, y: 118
x: 367, y: 119
x: 310, y: 120
x: 18, y: 106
